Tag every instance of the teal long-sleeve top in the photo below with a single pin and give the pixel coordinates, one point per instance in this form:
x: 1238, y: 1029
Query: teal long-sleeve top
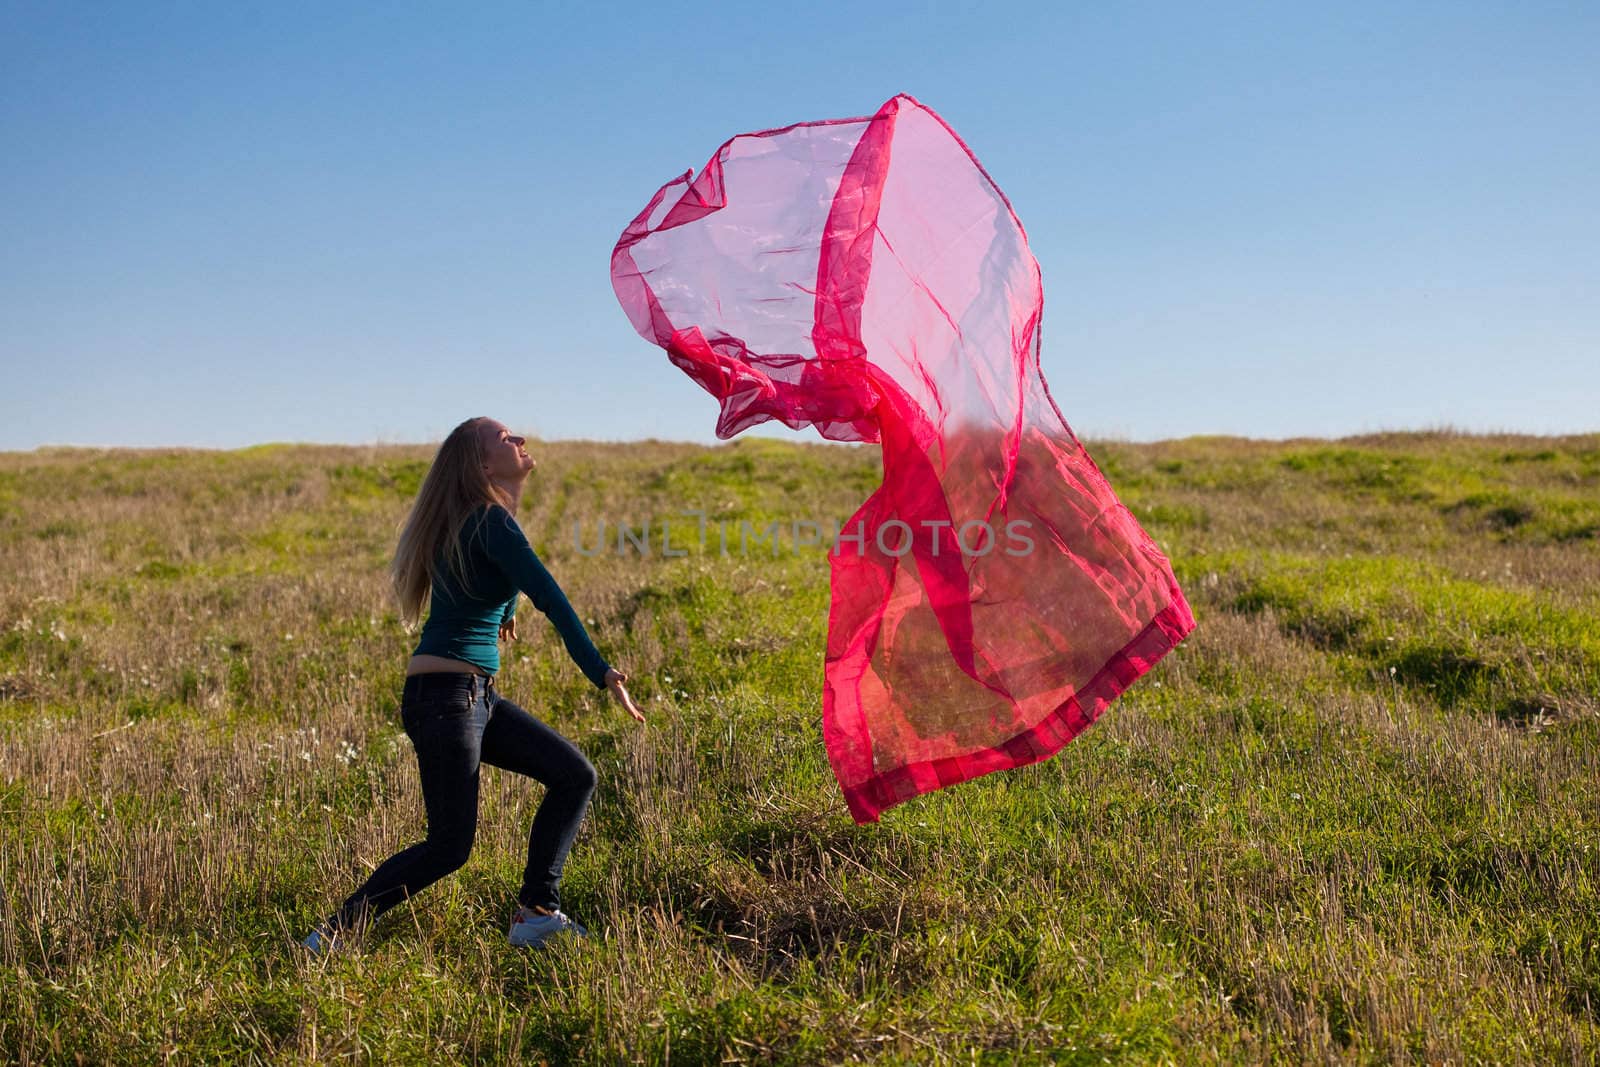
x: 464, y: 623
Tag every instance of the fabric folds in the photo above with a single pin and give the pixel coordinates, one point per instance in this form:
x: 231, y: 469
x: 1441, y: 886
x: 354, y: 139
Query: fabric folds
x: 867, y: 278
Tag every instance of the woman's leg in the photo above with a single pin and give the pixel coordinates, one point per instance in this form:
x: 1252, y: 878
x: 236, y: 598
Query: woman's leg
x: 516, y: 741
x: 444, y: 715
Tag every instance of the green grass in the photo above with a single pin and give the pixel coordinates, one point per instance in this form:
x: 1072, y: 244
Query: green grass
x: 1352, y: 818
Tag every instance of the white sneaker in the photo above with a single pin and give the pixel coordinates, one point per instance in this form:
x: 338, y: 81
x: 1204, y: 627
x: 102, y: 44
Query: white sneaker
x: 323, y: 942
x: 328, y: 941
x: 529, y: 929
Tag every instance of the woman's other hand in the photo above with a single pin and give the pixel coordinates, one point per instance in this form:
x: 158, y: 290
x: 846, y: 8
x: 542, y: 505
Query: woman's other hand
x: 614, y: 683
x: 508, y: 630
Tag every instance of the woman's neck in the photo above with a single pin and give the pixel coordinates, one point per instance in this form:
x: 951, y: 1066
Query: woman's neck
x: 512, y: 490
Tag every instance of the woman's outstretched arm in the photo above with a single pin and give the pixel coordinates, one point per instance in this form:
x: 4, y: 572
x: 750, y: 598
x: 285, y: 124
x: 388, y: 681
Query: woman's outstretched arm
x: 508, y: 546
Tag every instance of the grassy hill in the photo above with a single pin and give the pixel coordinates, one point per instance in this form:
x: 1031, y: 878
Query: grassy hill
x: 1354, y: 817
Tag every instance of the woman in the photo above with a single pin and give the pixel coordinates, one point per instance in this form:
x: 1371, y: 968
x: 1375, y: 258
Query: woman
x: 461, y: 549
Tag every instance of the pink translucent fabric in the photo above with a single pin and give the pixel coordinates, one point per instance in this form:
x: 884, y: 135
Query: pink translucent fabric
x: 867, y: 278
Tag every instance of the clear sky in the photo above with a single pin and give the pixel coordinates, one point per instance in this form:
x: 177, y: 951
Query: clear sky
x: 225, y: 224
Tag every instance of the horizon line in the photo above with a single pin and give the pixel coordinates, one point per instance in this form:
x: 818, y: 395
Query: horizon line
x: 1446, y: 430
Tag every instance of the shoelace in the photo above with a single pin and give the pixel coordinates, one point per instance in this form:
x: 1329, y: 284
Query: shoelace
x: 524, y: 916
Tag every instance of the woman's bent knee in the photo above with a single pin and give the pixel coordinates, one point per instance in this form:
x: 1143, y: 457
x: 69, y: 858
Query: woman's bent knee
x: 451, y: 854
x: 582, y: 777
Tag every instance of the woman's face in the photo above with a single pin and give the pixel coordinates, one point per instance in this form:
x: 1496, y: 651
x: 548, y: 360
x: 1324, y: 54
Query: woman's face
x: 505, y: 457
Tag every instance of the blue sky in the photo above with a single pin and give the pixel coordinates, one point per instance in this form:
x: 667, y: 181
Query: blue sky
x: 226, y: 224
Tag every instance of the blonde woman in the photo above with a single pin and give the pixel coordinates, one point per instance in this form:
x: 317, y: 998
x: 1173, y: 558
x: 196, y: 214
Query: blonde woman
x: 462, y: 551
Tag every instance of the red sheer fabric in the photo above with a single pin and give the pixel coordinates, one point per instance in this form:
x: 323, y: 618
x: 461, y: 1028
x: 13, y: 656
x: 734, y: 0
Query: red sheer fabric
x: 866, y: 277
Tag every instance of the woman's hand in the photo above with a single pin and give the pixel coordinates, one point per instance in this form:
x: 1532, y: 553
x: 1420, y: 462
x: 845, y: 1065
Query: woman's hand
x: 508, y: 630
x: 614, y: 680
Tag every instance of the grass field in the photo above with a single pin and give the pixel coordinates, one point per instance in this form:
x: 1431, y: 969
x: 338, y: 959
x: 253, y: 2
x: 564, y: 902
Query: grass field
x: 1353, y: 818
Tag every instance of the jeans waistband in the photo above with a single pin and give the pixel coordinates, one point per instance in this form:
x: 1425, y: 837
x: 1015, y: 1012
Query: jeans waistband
x: 439, y: 683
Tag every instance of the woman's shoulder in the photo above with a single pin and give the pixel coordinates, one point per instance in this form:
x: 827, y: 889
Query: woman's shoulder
x: 497, y: 518
x: 482, y: 520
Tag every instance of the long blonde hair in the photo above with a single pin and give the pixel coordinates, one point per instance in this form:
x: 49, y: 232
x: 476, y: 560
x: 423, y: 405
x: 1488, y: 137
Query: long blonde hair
x: 456, y: 486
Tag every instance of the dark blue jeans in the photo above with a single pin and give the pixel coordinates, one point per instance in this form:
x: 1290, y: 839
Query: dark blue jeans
x: 456, y: 722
